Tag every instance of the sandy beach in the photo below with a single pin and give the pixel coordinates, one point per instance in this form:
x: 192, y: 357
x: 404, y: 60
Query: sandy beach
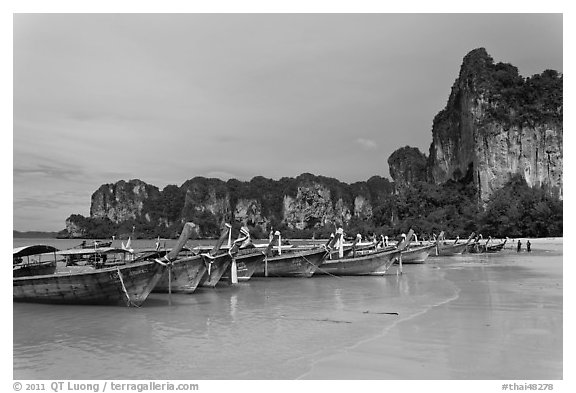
x: 504, y: 323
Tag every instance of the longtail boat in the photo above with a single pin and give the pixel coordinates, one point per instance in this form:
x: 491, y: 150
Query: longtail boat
x: 247, y: 264
x: 475, y: 247
x: 44, y: 260
x: 95, y: 244
x: 446, y: 249
x: 186, y: 273
x: 128, y: 284
x: 184, y: 276
x: 375, y: 263
x: 362, y: 262
x: 295, y: 263
x: 224, y: 260
x: 247, y: 261
x: 417, y: 254
x: 345, y: 250
x: 496, y: 247
x: 248, y: 258
x: 217, y: 266
x: 97, y: 257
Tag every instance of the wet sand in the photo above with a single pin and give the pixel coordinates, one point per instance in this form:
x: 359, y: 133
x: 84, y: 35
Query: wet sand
x: 505, y: 322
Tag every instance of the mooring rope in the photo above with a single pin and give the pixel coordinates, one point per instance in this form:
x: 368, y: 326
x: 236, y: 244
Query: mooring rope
x: 168, y: 261
x: 130, y: 303
x: 322, y: 270
x: 208, y: 263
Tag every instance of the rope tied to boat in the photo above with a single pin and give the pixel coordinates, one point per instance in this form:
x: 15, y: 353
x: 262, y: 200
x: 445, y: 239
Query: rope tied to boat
x: 130, y: 303
x: 165, y: 257
x: 209, y: 262
x: 319, y: 268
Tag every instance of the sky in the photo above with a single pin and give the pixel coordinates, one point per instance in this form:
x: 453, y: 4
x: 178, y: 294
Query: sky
x: 99, y: 98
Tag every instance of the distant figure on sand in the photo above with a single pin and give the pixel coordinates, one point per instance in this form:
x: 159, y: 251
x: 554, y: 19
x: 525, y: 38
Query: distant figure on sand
x: 528, y: 245
x: 519, y: 246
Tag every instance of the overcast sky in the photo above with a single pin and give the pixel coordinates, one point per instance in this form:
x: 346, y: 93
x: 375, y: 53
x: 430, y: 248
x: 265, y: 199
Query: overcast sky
x: 166, y: 97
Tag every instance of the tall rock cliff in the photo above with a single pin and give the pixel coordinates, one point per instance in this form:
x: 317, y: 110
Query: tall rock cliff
x: 122, y: 201
x: 497, y: 124
x: 407, y: 165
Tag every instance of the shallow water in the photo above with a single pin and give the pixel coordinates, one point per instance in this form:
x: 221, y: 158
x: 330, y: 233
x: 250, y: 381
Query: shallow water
x: 505, y: 322
x: 285, y: 328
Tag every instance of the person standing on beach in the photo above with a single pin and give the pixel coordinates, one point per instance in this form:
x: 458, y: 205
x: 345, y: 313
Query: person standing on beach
x: 528, y: 245
x: 519, y: 246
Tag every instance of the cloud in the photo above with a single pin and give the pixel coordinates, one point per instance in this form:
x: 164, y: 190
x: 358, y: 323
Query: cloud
x: 46, y: 171
x: 367, y: 144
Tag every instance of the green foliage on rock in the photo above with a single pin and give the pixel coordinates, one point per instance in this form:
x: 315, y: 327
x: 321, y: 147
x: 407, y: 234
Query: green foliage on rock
x: 519, y: 210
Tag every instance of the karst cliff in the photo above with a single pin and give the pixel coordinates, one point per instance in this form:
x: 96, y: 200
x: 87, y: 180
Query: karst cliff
x: 497, y: 124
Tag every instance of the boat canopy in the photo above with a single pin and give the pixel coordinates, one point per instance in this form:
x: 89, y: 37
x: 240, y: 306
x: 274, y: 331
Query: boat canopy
x: 92, y: 251
x: 33, y: 250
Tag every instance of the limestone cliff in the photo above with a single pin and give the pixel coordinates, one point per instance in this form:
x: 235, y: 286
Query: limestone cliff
x: 497, y: 124
x: 74, y: 229
x: 407, y: 165
x: 311, y: 207
x: 122, y: 201
x: 307, y: 202
x: 249, y: 212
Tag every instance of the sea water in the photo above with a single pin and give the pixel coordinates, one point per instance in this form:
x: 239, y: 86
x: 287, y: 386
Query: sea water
x: 265, y: 328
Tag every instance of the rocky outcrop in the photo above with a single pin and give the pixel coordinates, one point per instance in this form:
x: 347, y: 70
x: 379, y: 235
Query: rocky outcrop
x: 216, y: 205
x: 311, y: 207
x: 362, y: 208
x: 307, y: 202
x: 533, y: 152
x: 407, y: 165
x: 497, y: 124
x: 74, y: 229
x: 122, y: 201
x: 248, y: 212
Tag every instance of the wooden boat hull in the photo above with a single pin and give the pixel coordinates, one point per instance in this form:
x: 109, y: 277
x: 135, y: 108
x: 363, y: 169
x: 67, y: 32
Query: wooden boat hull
x: 246, y: 264
x: 417, y: 254
x: 447, y: 250
x: 185, y: 276
x: 96, y: 245
x: 294, y: 264
x: 218, y: 267
x: 127, y: 285
x: 495, y: 247
x: 475, y: 248
x: 375, y: 263
x: 482, y: 248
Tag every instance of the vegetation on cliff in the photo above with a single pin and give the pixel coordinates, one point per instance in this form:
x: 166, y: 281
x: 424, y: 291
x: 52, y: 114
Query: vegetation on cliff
x: 515, y: 210
x: 519, y: 210
x: 407, y: 165
x: 509, y: 98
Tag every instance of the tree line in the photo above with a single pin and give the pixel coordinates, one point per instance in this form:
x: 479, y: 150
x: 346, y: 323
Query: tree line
x: 516, y: 210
